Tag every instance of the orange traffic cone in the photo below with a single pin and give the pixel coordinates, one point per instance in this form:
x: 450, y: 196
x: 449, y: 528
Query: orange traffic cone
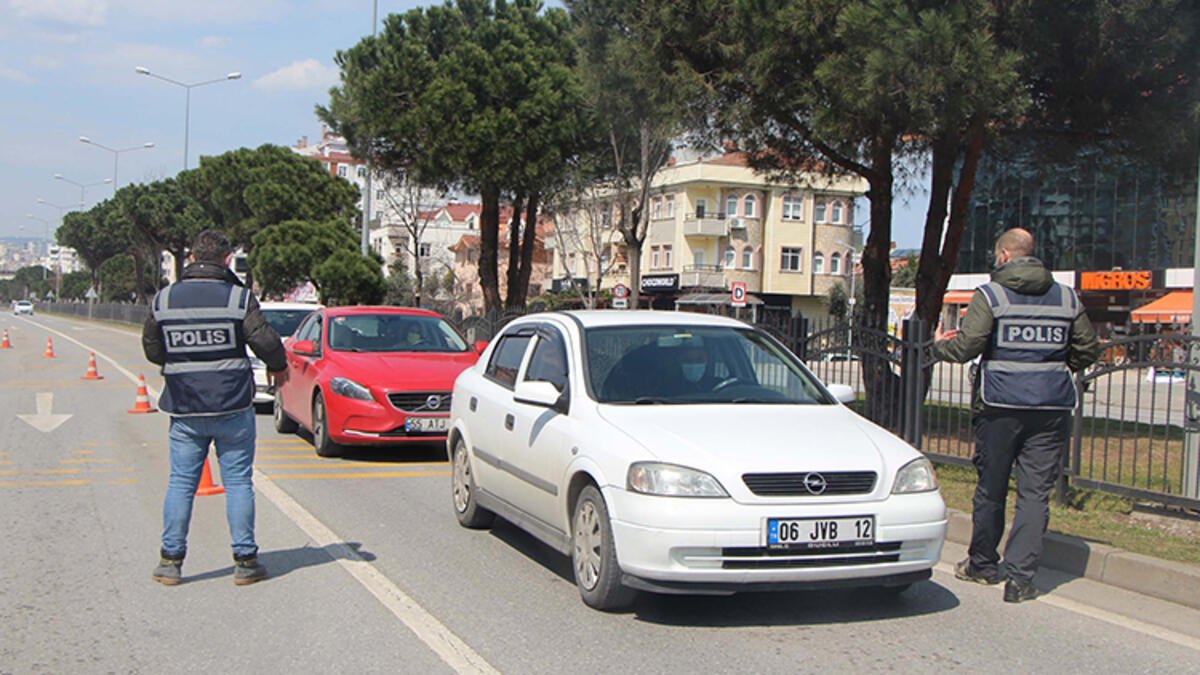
x: 207, y: 487
x: 49, y: 349
x: 5, y: 344
x: 91, y: 373
x: 142, y: 403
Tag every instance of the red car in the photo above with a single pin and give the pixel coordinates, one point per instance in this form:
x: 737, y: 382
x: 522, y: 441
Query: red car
x: 371, y: 376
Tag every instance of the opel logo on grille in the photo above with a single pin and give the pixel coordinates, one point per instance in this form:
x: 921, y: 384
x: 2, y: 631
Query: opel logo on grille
x: 433, y: 402
x: 815, y: 483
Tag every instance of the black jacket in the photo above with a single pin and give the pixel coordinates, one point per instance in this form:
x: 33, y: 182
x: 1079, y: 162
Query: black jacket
x: 260, y: 336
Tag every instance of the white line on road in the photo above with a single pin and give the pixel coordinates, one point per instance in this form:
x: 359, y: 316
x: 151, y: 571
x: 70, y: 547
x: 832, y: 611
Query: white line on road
x: 1106, y: 616
x: 440, y: 639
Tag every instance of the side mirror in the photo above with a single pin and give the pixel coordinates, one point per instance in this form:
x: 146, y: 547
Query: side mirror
x: 541, y: 394
x: 842, y: 392
x: 480, y: 346
x: 304, y: 348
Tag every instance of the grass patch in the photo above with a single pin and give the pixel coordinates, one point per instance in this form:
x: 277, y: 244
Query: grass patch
x: 1092, y: 515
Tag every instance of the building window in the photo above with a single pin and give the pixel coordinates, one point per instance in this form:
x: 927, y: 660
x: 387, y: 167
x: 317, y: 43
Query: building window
x: 748, y: 258
x: 570, y: 264
x: 656, y: 208
x: 670, y: 206
x: 654, y: 257
x: 362, y: 171
x: 730, y: 257
x: 425, y: 250
x: 379, y: 195
x: 836, y: 209
x: 793, y: 207
x: 730, y: 206
x: 342, y: 170
x: 748, y: 206
x: 819, y: 209
x: 818, y: 264
x: 701, y: 208
x: 668, y: 259
x: 790, y: 259
x: 835, y: 263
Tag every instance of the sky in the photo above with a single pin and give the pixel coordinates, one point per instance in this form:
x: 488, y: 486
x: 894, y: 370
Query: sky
x: 67, y: 70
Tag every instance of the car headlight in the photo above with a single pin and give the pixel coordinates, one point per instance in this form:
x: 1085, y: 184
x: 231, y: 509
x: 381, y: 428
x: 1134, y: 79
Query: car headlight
x: 670, y: 480
x: 916, y: 476
x: 350, y: 389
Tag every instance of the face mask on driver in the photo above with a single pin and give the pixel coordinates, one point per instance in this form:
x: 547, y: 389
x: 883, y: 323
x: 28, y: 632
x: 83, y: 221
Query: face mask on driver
x: 693, y: 371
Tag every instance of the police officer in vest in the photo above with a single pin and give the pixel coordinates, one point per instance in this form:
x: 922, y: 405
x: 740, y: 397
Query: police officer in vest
x: 198, y: 332
x: 1032, y: 333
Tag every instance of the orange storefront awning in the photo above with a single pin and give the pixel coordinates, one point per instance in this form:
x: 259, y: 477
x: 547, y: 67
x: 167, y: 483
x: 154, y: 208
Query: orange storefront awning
x: 1174, y: 307
x: 958, y: 297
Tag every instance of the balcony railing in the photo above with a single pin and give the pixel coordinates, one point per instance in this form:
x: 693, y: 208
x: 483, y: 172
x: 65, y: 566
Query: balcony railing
x: 705, y: 225
x: 702, y: 276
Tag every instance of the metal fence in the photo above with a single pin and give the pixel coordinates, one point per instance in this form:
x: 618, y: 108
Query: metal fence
x: 122, y: 312
x: 1130, y: 434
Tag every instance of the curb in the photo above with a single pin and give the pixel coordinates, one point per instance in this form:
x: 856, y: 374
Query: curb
x: 1163, y: 579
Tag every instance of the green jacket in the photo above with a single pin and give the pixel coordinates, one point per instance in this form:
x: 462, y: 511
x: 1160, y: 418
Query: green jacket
x: 1023, y: 275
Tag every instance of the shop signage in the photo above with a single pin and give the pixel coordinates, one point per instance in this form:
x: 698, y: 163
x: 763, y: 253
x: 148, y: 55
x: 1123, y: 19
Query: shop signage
x: 1118, y: 280
x: 660, y: 283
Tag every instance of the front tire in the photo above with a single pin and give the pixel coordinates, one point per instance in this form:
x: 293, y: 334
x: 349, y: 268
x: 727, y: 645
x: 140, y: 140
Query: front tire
x: 283, y: 423
x: 594, y: 555
x: 462, y: 491
x: 320, y: 430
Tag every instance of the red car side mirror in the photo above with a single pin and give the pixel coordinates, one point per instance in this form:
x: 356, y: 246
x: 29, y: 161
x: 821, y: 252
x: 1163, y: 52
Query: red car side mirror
x: 304, y: 348
x: 480, y: 346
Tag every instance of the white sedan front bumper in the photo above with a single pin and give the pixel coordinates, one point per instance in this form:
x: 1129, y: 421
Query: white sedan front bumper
x: 666, y: 543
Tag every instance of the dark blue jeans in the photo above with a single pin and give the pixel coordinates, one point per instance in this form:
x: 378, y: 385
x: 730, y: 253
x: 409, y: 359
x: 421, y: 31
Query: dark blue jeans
x: 190, y: 437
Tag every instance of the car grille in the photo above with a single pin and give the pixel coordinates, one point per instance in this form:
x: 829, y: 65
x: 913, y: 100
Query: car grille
x: 418, y: 401
x: 797, y: 484
x: 748, y: 558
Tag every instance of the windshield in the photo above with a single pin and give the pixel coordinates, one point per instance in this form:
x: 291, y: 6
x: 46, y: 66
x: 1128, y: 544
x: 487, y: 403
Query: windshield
x: 694, y: 364
x: 285, y: 321
x: 393, y: 333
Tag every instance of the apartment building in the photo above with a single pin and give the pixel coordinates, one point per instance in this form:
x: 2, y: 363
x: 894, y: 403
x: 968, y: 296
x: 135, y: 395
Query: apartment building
x: 715, y: 221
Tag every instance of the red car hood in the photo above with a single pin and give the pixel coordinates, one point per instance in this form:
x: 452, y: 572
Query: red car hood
x: 404, y: 371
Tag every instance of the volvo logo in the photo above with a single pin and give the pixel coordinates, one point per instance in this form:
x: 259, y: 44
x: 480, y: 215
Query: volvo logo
x: 815, y: 483
x: 433, y: 402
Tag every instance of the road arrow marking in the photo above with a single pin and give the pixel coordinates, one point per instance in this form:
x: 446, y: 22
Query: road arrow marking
x: 44, y: 420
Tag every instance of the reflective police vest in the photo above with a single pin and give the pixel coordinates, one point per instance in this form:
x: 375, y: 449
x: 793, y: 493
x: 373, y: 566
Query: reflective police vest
x: 1025, y: 365
x: 206, y: 370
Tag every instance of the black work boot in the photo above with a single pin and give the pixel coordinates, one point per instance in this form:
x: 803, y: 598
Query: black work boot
x: 170, y: 569
x: 1019, y: 591
x: 964, y: 570
x: 246, y: 569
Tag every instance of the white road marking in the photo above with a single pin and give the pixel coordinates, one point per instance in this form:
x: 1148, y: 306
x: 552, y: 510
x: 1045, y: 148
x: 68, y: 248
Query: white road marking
x: 441, y: 640
x: 45, y: 420
x: 1105, y: 616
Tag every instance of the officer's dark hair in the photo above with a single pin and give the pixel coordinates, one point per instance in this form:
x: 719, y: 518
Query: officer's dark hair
x: 211, y: 246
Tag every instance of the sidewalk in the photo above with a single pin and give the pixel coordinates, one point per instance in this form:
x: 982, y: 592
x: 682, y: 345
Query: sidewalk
x: 1162, y: 579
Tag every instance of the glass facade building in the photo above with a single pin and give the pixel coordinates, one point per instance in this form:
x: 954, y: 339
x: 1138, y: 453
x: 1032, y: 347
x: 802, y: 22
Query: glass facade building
x: 1099, y: 211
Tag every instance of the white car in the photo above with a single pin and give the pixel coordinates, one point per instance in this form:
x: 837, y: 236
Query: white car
x: 23, y: 307
x: 685, y: 453
x: 284, y: 317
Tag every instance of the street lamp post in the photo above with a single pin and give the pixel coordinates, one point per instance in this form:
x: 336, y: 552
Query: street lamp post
x: 365, y: 238
x: 116, y: 154
x: 82, y: 186
x: 187, y: 106
x: 850, y: 256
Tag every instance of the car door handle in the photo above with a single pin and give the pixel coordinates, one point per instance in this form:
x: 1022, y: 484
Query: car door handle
x: 474, y: 403
x: 508, y: 421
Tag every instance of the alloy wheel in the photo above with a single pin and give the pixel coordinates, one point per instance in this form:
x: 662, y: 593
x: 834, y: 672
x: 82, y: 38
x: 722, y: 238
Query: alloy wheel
x: 588, y: 540
x: 462, y: 479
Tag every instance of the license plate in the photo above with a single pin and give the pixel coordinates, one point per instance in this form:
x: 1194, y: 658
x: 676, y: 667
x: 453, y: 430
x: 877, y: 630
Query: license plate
x: 821, y: 532
x: 426, y: 425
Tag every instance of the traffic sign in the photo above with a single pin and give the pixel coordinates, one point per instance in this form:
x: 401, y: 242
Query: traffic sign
x: 621, y: 291
x: 737, y: 293
x: 620, y: 303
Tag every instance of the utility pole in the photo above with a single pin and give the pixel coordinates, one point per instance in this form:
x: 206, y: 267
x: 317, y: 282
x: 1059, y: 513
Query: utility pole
x: 1191, y: 446
x: 366, y: 218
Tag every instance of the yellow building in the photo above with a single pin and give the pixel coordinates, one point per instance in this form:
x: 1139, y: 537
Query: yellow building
x: 715, y: 221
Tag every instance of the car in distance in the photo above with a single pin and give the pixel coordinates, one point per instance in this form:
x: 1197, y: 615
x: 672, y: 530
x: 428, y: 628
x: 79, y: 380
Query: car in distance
x: 371, y: 376
x: 284, y: 317
x: 685, y: 453
x: 23, y: 307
